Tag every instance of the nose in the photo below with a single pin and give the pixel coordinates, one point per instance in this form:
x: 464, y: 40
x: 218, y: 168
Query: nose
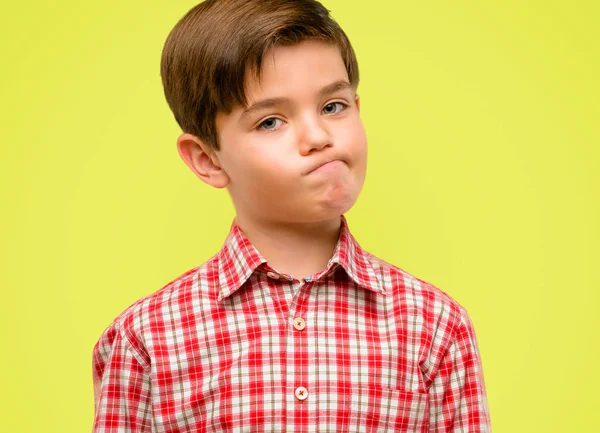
x: 313, y: 134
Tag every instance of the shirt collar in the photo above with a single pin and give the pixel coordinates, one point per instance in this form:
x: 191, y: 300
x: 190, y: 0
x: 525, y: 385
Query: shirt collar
x: 238, y: 259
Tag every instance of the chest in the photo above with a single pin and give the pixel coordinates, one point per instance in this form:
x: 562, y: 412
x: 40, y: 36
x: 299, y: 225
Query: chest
x: 311, y: 359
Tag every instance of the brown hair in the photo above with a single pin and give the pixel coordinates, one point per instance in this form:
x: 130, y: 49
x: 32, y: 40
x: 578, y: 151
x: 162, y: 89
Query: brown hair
x: 209, y: 51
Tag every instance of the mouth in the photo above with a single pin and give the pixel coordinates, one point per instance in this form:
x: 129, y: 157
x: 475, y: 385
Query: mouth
x: 328, y: 166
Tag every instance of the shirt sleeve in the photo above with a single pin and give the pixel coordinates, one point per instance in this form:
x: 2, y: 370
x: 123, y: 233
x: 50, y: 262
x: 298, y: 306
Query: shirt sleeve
x: 457, y: 396
x: 121, y: 386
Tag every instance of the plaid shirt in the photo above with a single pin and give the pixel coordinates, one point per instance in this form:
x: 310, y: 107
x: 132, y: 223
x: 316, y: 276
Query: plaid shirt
x: 235, y: 345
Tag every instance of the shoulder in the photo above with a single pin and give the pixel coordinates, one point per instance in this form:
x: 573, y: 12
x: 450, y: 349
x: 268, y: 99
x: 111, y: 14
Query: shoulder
x: 137, y: 315
x: 435, y: 307
x: 430, y: 315
x: 136, y: 323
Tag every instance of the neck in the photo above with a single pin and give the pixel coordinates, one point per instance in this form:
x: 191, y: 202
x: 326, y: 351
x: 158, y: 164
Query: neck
x: 297, y: 249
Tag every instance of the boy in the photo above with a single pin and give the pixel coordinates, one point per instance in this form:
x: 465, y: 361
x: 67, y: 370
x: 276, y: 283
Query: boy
x: 291, y: 326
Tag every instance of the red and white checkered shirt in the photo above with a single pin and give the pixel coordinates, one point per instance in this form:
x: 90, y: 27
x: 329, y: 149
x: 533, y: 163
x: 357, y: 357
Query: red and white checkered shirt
x: 234, y: 345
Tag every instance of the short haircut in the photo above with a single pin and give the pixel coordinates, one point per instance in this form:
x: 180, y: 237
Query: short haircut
x: 210, y: 50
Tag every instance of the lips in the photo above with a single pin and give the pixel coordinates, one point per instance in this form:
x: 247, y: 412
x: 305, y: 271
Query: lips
x: 326, y: 165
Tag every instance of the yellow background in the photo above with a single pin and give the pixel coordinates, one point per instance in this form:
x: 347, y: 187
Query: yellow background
x: 483, y: 127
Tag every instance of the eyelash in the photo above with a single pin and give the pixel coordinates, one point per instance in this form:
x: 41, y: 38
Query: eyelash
x: 343, y: 104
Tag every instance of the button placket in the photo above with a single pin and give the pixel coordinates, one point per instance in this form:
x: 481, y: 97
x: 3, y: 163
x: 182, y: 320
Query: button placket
x: 298, y: 368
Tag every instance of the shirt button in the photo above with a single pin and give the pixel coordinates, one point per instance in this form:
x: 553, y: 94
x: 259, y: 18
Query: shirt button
x: 273, y: 275
x: 301, y: 393
x: 299, y: 323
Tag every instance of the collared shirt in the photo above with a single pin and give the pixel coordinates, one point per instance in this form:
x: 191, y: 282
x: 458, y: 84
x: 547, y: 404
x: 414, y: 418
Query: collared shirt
x: 235, y: 345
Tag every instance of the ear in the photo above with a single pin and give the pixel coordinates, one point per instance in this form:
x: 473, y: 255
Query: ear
x: 357, y: 101
x: 202, y: 160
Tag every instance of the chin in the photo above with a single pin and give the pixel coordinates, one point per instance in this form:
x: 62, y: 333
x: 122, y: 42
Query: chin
x: 338, y: 204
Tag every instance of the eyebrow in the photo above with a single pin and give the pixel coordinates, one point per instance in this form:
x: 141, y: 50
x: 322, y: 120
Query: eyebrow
x: 272, y: 102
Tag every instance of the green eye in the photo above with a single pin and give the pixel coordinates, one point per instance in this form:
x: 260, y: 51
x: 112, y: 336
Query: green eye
x: 268, y: 123
x: 332, y: 104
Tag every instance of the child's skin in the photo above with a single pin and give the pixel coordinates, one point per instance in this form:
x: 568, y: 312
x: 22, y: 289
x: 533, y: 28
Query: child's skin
x: 290, y: 214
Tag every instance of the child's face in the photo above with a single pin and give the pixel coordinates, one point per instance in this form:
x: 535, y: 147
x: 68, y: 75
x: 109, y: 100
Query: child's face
x: 268, y: 154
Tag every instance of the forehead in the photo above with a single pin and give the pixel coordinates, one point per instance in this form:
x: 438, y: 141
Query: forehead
x: 296, y: 70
